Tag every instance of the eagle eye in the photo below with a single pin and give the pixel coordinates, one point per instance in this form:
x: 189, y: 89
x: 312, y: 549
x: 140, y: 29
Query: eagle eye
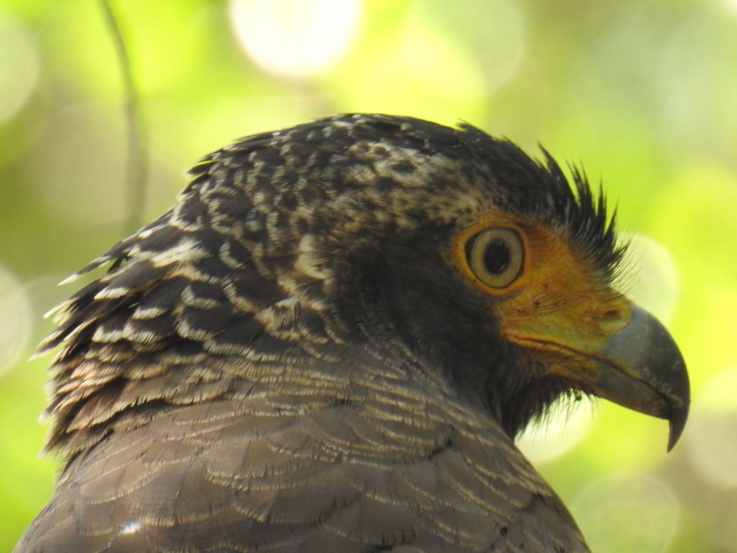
x: 495, y: 256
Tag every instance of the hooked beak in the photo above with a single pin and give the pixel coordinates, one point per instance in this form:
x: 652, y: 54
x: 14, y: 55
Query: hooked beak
x: 641, y: 367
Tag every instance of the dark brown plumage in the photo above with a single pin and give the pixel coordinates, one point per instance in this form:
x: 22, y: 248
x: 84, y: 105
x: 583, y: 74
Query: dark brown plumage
x: 329, y: 344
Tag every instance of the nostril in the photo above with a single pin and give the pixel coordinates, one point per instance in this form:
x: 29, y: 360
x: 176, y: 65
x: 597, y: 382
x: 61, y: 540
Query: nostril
x: 612, y: 320
x: 611, y: 315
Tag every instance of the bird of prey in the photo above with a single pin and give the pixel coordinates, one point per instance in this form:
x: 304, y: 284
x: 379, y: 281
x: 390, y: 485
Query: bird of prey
x: 330, y: 343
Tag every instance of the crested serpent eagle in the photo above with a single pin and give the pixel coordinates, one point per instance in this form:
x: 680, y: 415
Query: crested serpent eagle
x: 330, y: 343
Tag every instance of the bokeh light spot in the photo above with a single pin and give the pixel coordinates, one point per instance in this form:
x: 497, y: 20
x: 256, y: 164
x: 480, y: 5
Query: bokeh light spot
x: 712, y: 436
x: 80, y: 177
x: 15, y: 319
x: 546, y: 440
x: 424, y: 54
x: 493, y: 31
x: 19, y: 67
x: 627, y: 512
x: 295, y: 38
x: 650, y: 278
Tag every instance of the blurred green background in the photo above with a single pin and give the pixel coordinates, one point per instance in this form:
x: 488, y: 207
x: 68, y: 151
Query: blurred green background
x: 644, y: 94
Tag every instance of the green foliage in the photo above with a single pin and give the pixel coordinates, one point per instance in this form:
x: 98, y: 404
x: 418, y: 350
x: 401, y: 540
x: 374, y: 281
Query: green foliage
x: 643, y: 93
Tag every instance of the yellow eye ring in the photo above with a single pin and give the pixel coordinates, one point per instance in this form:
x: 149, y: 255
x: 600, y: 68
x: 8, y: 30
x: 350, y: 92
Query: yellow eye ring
x: 495, y: 256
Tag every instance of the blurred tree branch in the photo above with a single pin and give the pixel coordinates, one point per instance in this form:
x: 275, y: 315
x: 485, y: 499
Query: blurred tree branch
x: 137, y: 170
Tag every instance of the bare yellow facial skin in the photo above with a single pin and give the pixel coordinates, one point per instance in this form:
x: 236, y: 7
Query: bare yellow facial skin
x: 562, y: 311
x: 558, y: 303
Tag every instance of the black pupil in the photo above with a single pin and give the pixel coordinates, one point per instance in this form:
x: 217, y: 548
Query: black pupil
x: 497, y: 256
